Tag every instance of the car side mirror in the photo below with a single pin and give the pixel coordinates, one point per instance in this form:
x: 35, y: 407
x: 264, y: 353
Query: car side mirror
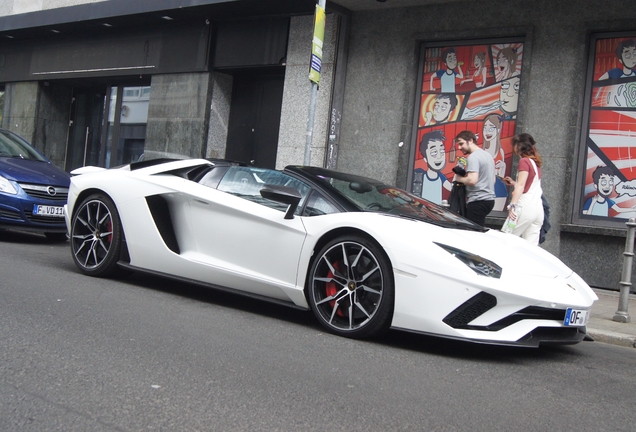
x: 284, y: 195
x: 360, y: 187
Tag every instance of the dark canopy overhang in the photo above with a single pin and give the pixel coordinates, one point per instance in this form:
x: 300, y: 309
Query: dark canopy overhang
x: 110, y: 15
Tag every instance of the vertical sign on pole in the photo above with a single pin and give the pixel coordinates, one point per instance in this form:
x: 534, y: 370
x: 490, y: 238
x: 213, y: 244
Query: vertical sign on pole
x: 314, y: 73
x: 316, y: 46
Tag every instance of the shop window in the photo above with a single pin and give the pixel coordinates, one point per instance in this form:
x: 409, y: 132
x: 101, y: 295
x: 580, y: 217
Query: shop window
x: 108, y: 126
x: 606, y: 177
x: 126, y: 128
x: 464, y: 86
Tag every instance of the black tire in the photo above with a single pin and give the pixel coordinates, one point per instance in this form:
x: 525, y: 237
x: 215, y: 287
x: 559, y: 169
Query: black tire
x: 350, y: 288
x: 96, y: 236
x: 55, y: 237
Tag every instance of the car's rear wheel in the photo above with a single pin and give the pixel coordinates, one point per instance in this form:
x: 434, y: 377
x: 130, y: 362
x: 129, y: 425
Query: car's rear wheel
x: 96, y: 236
x: 351, y: 289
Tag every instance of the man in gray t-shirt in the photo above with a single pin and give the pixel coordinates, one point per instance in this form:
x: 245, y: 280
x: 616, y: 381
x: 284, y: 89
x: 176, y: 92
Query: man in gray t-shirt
x: 479, y: 179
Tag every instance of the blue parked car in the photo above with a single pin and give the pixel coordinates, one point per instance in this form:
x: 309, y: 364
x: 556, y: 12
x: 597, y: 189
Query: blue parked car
x: 33, y: 191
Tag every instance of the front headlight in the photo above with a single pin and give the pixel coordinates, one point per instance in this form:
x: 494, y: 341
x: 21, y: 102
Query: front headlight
x: 479, y: 265
x: 7, y: 187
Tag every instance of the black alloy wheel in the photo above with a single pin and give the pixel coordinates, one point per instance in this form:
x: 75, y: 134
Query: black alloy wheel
x: 351, y: 289
x: 96, y: 236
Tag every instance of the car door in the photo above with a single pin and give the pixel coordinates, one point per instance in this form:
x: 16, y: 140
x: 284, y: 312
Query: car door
x: 244, y: 240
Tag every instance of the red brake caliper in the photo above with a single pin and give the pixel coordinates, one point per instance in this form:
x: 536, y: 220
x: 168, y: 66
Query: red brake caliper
x: 331, y: 288
x: 110, y: 229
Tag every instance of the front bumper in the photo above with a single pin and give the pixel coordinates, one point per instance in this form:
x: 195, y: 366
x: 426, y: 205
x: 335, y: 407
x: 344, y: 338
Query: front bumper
x: 16, y: 211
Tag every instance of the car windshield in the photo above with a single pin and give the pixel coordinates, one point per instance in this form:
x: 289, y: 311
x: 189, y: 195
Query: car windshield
x: 11, y: 145
x: 371, y: 195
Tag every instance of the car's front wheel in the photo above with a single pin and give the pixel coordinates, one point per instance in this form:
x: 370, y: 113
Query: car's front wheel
x: 96, y: 236
x: 350, y: 287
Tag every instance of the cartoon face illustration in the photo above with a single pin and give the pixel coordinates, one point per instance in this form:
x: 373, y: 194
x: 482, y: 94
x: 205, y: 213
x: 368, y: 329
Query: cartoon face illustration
x: 490, y: 131
x: 628, y: 57
x: 451, y: 60
x: 509, y: 95
x: 506, y: 63
x: 503, y: 64
x: 436, y: 155
x: 605, y: 185
x: 477, y: 62
x: 443, y: 107
x: 626, y: 54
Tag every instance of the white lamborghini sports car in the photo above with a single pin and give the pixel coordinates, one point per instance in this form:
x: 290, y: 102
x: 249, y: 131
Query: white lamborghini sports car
x: 363, y: 256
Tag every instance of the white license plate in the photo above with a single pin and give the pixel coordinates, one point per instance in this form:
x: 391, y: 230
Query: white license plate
x: 52, y: 211
x: 576, y: 317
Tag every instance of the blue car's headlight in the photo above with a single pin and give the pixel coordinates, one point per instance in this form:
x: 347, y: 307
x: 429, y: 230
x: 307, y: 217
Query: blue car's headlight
x: 479, y: 265
x: 7, y: 187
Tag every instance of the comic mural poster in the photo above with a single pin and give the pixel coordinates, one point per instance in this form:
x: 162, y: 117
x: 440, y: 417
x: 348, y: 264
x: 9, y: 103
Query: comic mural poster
x: 467, y: 87
x: 609, y: 190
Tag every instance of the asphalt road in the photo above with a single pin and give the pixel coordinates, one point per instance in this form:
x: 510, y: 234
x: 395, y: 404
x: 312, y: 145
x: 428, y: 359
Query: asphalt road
x: 146, y: 354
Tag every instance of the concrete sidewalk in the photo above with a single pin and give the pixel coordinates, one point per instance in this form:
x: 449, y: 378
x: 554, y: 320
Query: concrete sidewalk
x: 601, y: 326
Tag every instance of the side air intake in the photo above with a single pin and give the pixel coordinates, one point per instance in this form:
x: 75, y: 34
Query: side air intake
x: 470, y: 309
x: 161, y: 214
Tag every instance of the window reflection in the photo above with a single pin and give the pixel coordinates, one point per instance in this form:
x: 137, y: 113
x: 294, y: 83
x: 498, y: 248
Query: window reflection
x: 247, y: 182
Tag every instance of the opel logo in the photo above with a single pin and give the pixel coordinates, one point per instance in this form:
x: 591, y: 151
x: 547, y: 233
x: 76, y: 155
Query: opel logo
x: 51, y: 190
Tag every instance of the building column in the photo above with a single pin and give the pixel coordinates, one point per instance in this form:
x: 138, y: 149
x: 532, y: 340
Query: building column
x: 20, y: 108
x: 178, y: 114
x: 39, y: 112
x: 221, y: 99
x: 297, y: 92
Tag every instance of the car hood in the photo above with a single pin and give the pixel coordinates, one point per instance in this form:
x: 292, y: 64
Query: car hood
x: 514, y: 254
x: 526, y: 270
x: 30, y: 171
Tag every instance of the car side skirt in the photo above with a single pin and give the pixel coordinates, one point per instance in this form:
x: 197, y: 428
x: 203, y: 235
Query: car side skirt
x: 212, y: 286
